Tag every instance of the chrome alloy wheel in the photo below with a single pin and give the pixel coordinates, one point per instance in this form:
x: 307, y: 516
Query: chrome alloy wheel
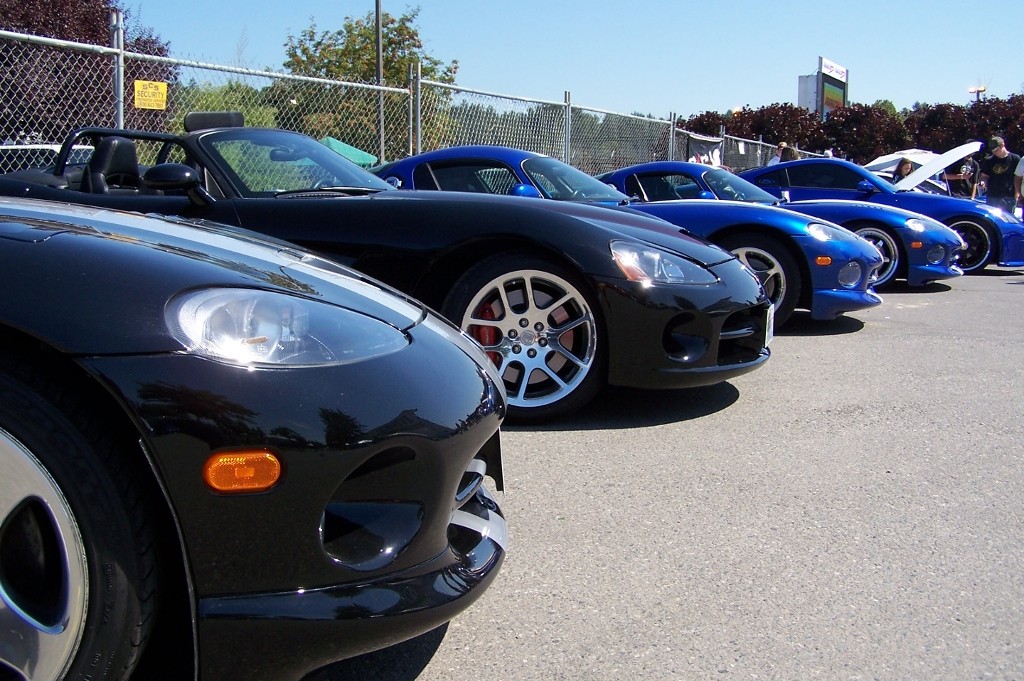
x: 539, y: 331
x: 43, y: 573
x: 767, y: 269
x: 887, y: 247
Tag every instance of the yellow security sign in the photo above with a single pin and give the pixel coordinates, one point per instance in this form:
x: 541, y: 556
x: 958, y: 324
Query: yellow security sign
x: 150, y: 94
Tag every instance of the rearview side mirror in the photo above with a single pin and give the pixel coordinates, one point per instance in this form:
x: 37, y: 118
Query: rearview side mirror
x: 527, y: 190
x: 177, y: 177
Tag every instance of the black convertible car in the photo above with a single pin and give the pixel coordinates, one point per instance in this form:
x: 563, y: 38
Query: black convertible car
x: 564, y: 298
x: 223, y: 457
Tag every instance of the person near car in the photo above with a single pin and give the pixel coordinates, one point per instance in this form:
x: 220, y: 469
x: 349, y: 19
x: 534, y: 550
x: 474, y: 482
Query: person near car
x: 902, y: 169
x: 789, y: 154
x: 778, y: 153
x: 1018, y: 192
x: 998, y: 174
x: 962, y: 178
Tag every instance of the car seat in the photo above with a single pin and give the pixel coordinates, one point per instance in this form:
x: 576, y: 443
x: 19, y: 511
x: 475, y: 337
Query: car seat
x: 113, y: 168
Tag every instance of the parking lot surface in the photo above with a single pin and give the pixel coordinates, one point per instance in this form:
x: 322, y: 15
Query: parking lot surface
x: 853, y: 510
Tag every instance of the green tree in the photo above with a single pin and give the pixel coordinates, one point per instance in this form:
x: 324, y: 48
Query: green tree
x: 886, y: 105
x: 349, y: 55
x: 232, y: 96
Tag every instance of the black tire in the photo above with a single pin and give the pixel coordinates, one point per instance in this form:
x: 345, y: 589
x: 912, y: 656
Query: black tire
x: 549, y: 346
x: 775, y: 268
x: 979, y: 244
x: 886, y: 244
x: 77, y: 566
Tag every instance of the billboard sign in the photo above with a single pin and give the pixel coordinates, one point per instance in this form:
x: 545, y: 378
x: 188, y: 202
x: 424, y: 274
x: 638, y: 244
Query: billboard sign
x: 833, y: 80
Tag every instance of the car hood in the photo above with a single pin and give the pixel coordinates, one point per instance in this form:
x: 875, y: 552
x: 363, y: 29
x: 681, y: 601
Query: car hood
x: 614, y: 220
x: 707, y: 216
x: 940, y: 207
x: 937, y: 164
x: 103, y: 262
x: 838, y: 210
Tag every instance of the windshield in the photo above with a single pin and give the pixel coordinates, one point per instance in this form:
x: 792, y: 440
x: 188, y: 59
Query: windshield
x: 731, y: 187
x: 561, y: 181
x: 262, y: 162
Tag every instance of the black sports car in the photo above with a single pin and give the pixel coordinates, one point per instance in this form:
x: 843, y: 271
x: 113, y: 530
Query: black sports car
x: 564, y: 298
x: 223, y: 457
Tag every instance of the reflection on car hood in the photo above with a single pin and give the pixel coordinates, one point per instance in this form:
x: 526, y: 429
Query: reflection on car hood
x: 614, y: 220
x: 189, y: 254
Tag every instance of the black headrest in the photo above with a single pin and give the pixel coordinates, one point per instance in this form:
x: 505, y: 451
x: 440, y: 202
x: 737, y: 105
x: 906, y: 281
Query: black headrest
x: 115, y: 155
x: 204, y: 120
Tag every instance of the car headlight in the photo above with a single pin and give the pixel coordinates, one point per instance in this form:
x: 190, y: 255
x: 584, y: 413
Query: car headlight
x: 650, y: 265
x: 916, y: 225
x: 819, y: 231
x: 250, y: 327
x: 936, y: 254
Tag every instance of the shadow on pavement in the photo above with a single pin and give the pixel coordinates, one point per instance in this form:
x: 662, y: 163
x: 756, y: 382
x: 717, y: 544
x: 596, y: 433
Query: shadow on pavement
x: 903, y: 287
x: 998, y: 272
x: 401, y: 662
x: 801, y: 324
x: 634, y: 408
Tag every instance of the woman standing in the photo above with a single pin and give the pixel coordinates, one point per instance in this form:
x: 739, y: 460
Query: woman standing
x: 903, y: 168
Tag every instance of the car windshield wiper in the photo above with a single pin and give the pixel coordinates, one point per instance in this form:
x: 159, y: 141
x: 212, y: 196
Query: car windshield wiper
x: 346, y: 190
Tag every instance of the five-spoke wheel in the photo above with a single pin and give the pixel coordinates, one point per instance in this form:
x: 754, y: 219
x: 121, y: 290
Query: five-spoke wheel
x: 885, y: 244
x: 539, y: 328
x: 774, y: 267
x: 979, y: 244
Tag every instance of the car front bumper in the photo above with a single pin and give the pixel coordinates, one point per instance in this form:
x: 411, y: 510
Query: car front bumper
x: 1011, y: 253
x: 682, y: 336
x: 830, y: 303
x: 288, y: 634
x: 380, y: 527
x: 828, y: 298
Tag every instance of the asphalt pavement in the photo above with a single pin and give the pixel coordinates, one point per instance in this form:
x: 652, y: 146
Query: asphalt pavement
x: 852, y: 510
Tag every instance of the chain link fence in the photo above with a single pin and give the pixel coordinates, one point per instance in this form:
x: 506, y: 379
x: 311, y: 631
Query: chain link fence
x: 50, y: 87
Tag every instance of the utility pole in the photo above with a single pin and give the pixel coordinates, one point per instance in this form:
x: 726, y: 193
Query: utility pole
x: 380, y: 83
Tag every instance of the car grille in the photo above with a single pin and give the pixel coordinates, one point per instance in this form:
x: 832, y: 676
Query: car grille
x: 743, y: 336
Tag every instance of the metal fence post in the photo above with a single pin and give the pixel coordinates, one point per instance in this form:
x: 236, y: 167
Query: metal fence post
x: 418, y: 118
x: 671, y: 136
x: 567, y: 142
x: 117, y: 42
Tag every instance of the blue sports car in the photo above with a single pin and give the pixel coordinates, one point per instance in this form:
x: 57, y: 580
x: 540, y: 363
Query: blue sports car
x: 914, y: 247
x: 801, y: 262
x: 992, y: 235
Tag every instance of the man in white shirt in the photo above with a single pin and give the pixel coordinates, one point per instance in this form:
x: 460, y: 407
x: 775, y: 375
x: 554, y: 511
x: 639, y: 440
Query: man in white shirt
x: 778, y: 154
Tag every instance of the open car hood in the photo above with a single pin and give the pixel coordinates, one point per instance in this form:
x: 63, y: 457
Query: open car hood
x: 937, y: 165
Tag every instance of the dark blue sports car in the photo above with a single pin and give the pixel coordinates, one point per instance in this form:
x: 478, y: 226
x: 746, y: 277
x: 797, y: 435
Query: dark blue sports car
x: 802, y: 262
x: 992, y: 235
x: 914, y: 247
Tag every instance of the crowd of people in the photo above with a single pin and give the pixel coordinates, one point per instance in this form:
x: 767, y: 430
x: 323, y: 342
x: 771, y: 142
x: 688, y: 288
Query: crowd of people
x: 997, y: 176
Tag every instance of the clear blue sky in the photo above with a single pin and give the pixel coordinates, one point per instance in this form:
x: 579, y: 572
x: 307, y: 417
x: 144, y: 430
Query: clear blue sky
x: 649, y: 56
